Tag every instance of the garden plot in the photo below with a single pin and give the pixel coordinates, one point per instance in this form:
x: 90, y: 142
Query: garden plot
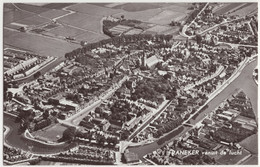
x: 159, y: 28
x: 119, y: 29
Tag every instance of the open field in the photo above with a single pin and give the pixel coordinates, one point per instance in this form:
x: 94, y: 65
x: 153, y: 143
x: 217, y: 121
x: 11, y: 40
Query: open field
x: 31, y: 8
x: 166, y: 16
x: 38, y: 44
x: 232, y: 159
x: 53, y: 13
x: 245, y: 10
x: 227, y: 7
x: 58, y: 5
x: 251, y: 144
x: 140, y: 15
x: 94, y: 9
x: 51, y: 134
x: 12, y: 16
x: 87, y: 22
x: 159, y: 28
x: 90, y: 37
x: 66, y: 31
x: 34, y: 20
x: 253, y: 160
x: 133, y: 7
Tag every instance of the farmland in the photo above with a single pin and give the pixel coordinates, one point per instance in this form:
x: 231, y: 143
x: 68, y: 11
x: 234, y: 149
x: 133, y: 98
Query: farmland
x: 53, y: 13
x: 245, y: 10
x: 34, y: 20
x: 65, y: 30
x: 166, y: 16
x: 227, y: 7
x: 37, y: 44
x: 94, y: 10
x: 83, y: 21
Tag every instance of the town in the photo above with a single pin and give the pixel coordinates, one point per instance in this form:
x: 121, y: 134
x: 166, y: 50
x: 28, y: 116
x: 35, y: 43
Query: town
x: 107, y: 99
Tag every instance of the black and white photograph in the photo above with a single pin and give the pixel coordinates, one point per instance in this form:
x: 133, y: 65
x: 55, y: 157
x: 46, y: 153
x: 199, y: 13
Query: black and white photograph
x: 130, y: 83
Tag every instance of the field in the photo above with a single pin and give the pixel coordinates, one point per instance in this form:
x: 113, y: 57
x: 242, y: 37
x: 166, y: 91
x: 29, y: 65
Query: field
x: 253, y: 160
x: 245, y: 10
x: 166, y: 16
x: 159, y: 28
x: 134, y: 31
x: 90, y: 37
x: 250, y: 144
x: 133, y: 7
x: 119, y: 29
x: 31, y: 8
x: 57, y: 5
x: 37, y: 44
x: 139, y: 15
x: 66, y: 31
x: 227, y: 7
x: 94, y: 10
x: 53, y: 13
x: 232, y: 159
x: 12, y: 16
x: 87, y: 22
x: 51, y: 134
x: 34, y: 20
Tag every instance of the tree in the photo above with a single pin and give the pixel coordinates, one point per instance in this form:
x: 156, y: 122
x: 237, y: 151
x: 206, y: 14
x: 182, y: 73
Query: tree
x: 69, y: 134
x: 198, y: 38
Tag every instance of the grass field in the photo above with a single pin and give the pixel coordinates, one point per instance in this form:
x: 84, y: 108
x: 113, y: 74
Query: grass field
x: 140, y: 15
x: 66, y: 31
x: 253, y: 160
x: 250, y: 144
x: 245, y: 10
x: 53, y: 13
x: 31, y: 8
x: 38, y: 44
x: 57, y: 5
x: 94, y: 9
x: 232, y: 159
x: 227, y: 7
x: 12, y: 16
x: 133, y: 7
x: 159, y: 28
x: 51, y: 134
x: 87, y: 22
x: 166, y: 16
x: 90, y: 37
x: 34, y: 20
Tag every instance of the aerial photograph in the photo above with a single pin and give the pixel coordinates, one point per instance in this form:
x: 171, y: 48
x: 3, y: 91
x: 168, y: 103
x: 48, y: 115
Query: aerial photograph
x: 124, y: 83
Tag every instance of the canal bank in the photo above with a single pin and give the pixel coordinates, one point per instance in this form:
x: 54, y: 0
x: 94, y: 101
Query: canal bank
x: 244, y: 81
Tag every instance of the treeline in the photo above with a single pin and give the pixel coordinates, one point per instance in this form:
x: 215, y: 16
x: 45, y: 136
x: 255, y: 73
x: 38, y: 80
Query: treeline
x: 117, y: 41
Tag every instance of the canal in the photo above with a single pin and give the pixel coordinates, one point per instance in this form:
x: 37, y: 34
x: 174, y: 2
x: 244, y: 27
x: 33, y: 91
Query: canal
x: 244, y: 81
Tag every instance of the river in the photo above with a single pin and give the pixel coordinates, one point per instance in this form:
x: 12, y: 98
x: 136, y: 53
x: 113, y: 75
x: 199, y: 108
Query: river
x: 244, y: 81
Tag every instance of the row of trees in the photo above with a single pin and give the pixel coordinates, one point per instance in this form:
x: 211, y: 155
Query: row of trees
x: 122, y: 40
